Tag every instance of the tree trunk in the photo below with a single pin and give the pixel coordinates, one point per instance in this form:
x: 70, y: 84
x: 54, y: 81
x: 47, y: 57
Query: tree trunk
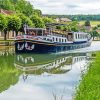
x: 16, y: 33
x: 5, y: 35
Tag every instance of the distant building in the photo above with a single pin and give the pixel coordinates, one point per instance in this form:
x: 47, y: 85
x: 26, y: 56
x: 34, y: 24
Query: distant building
x: 88, y: 28
x: 61, y: 20
x: 98, y: 30
x: 65, y: 20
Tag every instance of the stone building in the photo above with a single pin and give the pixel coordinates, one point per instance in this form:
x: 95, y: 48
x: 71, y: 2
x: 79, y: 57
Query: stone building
x: 62, y: 20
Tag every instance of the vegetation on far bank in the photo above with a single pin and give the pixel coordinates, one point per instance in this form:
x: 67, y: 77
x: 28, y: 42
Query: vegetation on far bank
x: 89, y: 88
x: 93, y: 23
x: 79, y: 17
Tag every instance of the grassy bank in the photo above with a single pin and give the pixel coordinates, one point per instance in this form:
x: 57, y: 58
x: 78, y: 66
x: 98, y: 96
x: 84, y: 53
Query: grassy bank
x: 89, y: 88
x: 93, y: 23
x: 6, y: 40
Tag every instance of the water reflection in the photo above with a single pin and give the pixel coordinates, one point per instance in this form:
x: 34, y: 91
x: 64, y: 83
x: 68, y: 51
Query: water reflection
x: 9, y: 75
x: 40, y: 76
x: 48, y: 63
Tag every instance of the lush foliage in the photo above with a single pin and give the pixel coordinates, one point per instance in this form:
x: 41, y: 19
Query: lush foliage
x: 37, y: 12
x: 89, y: 88
x: 72, y: 26
x: 14, y: 23
x: 22, y: 13
x: 6, y: 4
x: 21, y: 6
x: 3, y: 22
x: 24, y: 7
x: 78, y: 17
x: 38, y: 22
x: 87, y: 23
x: 25, y: 20
x: 47, y: 20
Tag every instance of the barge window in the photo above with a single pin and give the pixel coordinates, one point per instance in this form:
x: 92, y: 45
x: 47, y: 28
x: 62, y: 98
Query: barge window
x: 82, y: 36
x: 76, y: 36
x: 59, y: 39
x: 56, y: 39
x: 65, y: 40
x: 62, y: 40
x: 53, y: 39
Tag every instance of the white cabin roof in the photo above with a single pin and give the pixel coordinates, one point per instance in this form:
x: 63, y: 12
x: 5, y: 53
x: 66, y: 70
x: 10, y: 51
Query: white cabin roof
x: 35, y: 29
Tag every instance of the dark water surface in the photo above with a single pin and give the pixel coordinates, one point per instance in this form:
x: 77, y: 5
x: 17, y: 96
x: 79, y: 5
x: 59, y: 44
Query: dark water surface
x: 41, y: 76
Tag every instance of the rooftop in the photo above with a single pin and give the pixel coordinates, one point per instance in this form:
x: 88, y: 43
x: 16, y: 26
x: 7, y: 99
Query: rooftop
x: 6, y: 12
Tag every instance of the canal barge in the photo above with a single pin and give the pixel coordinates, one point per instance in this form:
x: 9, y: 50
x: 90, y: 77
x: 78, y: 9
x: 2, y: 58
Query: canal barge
x: 39, y: 40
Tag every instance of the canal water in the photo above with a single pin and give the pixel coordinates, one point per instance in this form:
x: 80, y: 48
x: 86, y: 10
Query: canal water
x: 42, y: 76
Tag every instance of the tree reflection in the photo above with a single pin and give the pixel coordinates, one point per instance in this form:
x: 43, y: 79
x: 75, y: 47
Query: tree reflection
x: 8, y: 73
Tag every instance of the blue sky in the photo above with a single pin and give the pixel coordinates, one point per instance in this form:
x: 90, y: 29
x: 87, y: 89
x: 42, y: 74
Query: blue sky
x: 67, y: 6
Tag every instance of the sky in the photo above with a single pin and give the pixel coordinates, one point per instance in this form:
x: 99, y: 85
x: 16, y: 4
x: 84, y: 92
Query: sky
x: 67, y: 6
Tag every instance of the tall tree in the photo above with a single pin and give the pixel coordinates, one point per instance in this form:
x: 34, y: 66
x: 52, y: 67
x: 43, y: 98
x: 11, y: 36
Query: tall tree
x: 25, y: 20
x: 14, y: 23
x: 24, y: 7
x: 47, y: 20
x: 87, y: 23
x: 6, y: 4
x: 37, y: 12
x: 37, y: 21
x: 3, y: 25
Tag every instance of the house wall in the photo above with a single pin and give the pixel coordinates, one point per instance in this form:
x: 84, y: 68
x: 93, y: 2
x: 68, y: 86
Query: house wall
x: 10, y: 35
x: 1, y: 35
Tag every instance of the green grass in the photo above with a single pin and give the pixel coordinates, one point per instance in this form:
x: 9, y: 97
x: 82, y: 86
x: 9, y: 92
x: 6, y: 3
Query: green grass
x: 6, y: 40
x: 89, y: 88
x: 93, y: 23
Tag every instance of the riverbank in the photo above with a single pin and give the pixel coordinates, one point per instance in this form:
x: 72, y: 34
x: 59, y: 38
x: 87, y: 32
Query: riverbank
x: 89, y: 88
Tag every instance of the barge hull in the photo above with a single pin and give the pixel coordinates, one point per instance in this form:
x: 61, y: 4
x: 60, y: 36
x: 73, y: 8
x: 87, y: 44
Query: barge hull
x: 24, y: 46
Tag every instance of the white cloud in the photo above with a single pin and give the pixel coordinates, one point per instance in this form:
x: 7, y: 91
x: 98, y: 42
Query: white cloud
x: 67, y: 6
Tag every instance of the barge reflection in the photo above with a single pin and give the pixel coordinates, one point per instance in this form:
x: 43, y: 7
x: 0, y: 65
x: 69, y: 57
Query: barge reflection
x: 48, y: 63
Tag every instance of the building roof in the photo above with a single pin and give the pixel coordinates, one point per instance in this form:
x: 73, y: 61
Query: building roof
x: 98, y: 30
x: 65, y: 19
x: 62, y: 20
x: 6, y: 12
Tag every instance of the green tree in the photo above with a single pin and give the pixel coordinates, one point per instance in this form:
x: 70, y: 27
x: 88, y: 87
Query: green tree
x: 13, y: 1
x: 87, y: 23
x: 25, y: 20
x: 68, y: 28
x: 3, y: 22
x: 3, y: 25
x: 94, y: 33
x: 14, y: 23
x: 73, y: 26
x: 24, y: 7
x: 37, y: 12
x: 37, y: 21
x: 6, y: 4
x: 47, y: 20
